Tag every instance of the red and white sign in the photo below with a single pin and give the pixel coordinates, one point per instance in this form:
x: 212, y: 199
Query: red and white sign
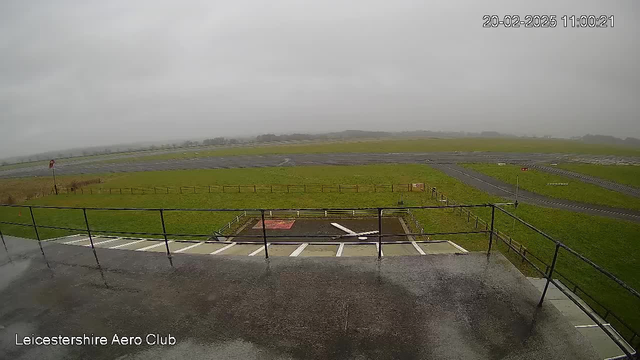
x: 524, y: 169
x: 51, y: 163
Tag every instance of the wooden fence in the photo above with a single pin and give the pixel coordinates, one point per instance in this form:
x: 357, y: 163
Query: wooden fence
x: 254, y: 188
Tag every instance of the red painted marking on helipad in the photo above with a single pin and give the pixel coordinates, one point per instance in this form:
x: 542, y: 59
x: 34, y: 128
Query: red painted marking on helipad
x: 275, y: 224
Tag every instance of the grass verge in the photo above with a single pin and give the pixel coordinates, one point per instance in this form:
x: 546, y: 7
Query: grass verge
x: 576, y: 190
x: 623, y: 174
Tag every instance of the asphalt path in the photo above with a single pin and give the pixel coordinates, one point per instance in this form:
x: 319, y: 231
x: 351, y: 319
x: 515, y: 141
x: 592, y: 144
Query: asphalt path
x: 496, y: 187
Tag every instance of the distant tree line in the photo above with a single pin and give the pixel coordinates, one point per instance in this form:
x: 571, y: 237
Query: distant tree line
x: 610, y: 140
x: 220, y: 141
x: 266, y: 138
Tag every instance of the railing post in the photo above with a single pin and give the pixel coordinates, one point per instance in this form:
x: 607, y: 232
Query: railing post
x: 553, y: 265
x: 379, y: 233
x: 95, y: 255
x: 166, y: 241
x: 264, y: 235
x: 493, y: 214
x: 3, y: 243
x: 35, y: 228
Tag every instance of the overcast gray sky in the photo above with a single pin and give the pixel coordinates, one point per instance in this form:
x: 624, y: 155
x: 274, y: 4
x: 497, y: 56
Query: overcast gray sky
x: 81, y: 73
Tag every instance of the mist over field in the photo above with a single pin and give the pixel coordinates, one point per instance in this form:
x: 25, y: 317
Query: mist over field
x: 77, y: 74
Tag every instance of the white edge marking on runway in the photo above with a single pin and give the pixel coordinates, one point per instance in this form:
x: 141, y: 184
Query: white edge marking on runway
x: 299, y: 250
x: 154, y: 245
x: 188, y: 247
x: 129, y: 243
x: 259, y: 250
x: 104, y: 242
x: 340, y: 248
x: 458, y: 247
x: 75, y: 241
x: 415, y: 245
x: 222, y: 249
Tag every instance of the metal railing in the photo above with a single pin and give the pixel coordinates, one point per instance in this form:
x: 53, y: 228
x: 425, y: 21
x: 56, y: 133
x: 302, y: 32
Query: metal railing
x: 550, y: 271
x: 379, y: 212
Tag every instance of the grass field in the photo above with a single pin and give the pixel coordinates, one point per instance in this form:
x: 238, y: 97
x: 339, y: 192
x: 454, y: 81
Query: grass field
x: 411, y: 145
x: 623, y: 174
x: 536, y: 181
x: 610, y: 243
x: 26, y: 189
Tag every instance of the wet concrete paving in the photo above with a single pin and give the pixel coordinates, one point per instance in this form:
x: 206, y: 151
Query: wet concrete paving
x: 420, y: 307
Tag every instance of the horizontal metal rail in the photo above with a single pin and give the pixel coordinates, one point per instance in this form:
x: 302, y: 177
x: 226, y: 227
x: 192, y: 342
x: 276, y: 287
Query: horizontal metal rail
x: 578, y: 255
x: 248, y: 209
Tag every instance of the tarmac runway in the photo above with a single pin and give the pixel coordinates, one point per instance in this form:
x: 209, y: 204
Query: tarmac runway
x: 285, y: 160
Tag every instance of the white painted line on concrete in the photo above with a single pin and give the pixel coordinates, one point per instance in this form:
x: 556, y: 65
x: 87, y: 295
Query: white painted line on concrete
x: 418, y: 248
x: 75, y: 241
x: 129, y: 243
x: 222, y: 249
x: 154, y: 245
x: 340, y: 248
x: 590, y: 326
x: 458, y: 247
x: 299, y: 250
x: 378, y: 249
x: 104, y: 242
x: 63, y: 237
x: 259, y: 250
x: 188, y: 247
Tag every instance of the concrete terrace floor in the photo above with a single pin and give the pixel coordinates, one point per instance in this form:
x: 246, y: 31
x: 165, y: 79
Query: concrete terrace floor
x: 420, y: 307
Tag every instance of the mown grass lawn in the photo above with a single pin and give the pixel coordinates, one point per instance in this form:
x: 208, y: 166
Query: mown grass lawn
x: 623, y: 174
x: 537, y: 181
x: 610, y: 243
